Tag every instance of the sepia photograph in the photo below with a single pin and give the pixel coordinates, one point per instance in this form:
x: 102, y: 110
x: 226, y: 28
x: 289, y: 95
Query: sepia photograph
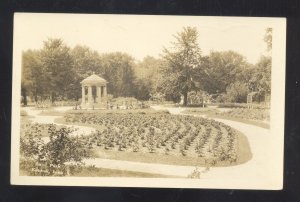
x: 148, y: 101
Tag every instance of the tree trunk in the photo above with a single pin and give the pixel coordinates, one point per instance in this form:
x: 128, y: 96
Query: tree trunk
x: 185, y: 97
x: 24, y: 95
x: 52, y: 97
x: 25, y: 98
x: 35, y: 97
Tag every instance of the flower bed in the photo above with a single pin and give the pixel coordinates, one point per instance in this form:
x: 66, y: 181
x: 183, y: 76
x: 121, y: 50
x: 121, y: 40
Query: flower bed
x: 162, y: 134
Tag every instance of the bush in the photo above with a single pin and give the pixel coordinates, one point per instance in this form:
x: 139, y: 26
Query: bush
x: 57, y: 157
x: 23, y: 113
x: 237, y: 92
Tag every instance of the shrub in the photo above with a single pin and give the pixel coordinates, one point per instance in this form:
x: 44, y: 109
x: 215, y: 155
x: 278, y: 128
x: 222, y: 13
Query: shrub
x: 237, y: 92
x: 23, y: 113
x: 58, y: 157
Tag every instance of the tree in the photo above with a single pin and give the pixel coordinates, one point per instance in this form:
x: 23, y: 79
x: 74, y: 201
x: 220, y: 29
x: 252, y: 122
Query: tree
x: 183, y: 64
x: 33, y: 81
x: 58, y: 64
x: 85, y: 62
x: 237, y: 92
x: 119, y: 71
x: 147, y: 77
x: 223, y: 69
x: 261, y: 77
x: 268, y: 39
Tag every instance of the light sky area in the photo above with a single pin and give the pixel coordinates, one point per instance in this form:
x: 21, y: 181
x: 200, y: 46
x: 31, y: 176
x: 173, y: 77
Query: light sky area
x: 141, y: 35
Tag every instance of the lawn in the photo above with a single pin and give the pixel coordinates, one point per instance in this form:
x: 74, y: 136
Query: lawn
x: 104, y: 172
x: 256, y: 117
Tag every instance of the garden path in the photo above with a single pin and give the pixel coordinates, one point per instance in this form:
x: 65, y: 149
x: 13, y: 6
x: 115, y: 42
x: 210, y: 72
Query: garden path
x: 35, y: 116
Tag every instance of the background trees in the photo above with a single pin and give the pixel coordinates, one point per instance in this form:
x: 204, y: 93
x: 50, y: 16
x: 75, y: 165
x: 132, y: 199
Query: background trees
x: 57, y: 64
x: 54, y: 72
x: 32, y: 81
x: 119, y: 71
x: 148, y: 77
x: 223, y: 69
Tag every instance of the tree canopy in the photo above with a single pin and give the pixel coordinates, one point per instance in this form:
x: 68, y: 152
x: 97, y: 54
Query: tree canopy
x: 183, y: 64
x: 55, y: 71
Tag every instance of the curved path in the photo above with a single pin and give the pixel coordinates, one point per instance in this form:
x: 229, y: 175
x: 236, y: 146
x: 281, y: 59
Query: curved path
x: 257, y: 170
x: 35, y: 116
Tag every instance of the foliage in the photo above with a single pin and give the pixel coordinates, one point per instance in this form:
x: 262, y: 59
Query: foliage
x: 55, y: 71
x: 49, y: 150
x: 223, y: 69
x: 261, y: 77
x: 237, y: 92
x: 268, y: 38
x: 197, y: 98
x: 33, y: 80
x: 183, y: 64
x: 250, y: 114
x: 242, y: 105
x: 148, y: 77
x: 119, y: 71
x: 58, y: 66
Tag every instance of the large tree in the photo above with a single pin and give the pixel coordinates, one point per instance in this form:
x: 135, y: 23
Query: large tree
x: 183, y: 64
x: 261, y: 78
x: 223, y: 69
x: 58, y: 64
x: 33, y: 81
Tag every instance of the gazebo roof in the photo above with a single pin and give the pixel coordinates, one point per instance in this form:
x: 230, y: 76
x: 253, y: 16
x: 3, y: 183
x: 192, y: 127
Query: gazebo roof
x: 93, y: 80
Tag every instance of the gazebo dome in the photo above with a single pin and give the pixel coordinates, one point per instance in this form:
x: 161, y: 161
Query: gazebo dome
x: 93, y: 80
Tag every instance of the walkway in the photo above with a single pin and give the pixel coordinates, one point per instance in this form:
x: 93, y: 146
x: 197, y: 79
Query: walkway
x: 36, y: 117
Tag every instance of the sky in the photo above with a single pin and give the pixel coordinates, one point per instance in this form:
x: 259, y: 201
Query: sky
x: 141, y: 35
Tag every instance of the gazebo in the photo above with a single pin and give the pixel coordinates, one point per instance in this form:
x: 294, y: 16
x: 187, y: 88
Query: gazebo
x: 97, y: 91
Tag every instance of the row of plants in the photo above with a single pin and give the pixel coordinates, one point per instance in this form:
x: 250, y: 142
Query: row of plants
x: 244, y: 113
x: 160, y: 133
x: 242, y: 105
x: 240, y: 113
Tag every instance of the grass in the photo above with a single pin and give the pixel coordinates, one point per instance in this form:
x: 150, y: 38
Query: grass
x: 212, y: 113
x: 118, y: 111
x: 51, y: 112
x: 92, y: 171
x: 246, y: 121
x: 105, y: 172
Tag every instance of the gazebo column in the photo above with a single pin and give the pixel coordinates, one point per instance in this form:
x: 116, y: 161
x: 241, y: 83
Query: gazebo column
x: 104, y: 91
x: 90, y: 95
x: 83, y: 96
x: 98, y: 94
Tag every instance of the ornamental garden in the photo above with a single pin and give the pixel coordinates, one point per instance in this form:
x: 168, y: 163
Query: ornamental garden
x: 79, y: 105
